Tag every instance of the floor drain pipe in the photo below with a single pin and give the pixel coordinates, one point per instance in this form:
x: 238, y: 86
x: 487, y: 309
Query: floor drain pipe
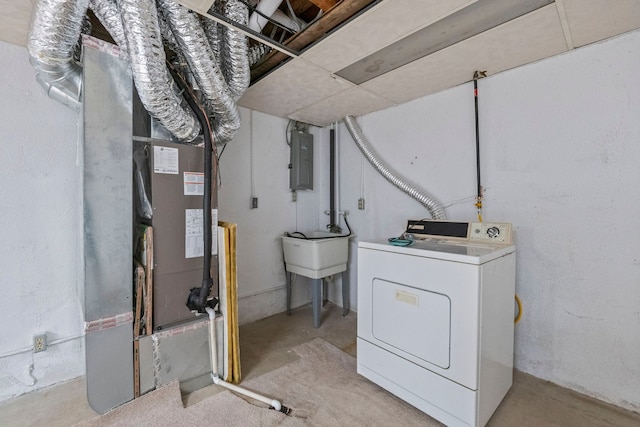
x: 273, y: 403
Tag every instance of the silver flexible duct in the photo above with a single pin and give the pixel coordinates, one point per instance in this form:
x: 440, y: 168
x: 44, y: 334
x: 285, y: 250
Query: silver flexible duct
x: 54, y: 32
x: 434, y: 207
x: 235, y: 49
x: 109, y: 16
x: 213, y: 30
x: 167, y: 34
x: 194, y: 45
x: 84, y: 29
x: 155, y: 85
x: 256, y: 52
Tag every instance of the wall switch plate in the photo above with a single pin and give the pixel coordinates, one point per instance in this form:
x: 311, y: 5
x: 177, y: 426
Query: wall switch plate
x: 254, y: 203
x: 361, y: 203
x: 39, y: 343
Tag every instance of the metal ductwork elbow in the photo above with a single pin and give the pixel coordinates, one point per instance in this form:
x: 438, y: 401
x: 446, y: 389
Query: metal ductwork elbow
x: 434, y: 207
x: 54, y: 33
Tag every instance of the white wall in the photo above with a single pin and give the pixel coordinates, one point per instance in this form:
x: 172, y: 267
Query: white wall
x: 561, y: 161
x: 261, y: 278
x: 40, y: 225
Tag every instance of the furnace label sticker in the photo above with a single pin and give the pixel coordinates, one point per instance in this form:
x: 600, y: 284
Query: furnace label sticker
x: 194, y: 233
x: 194, y: 184
x: 165, y: 160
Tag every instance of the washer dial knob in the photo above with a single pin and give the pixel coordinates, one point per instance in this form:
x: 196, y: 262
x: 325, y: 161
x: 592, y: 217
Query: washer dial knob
x: 493, y: 232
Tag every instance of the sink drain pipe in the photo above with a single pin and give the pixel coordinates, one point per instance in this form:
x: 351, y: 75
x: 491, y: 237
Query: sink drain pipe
x: 273, y: 403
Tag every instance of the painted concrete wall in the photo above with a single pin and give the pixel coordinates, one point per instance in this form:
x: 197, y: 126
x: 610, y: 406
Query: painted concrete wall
x: 260, y: 153
x: 40, y: 225
x: 561, y: 161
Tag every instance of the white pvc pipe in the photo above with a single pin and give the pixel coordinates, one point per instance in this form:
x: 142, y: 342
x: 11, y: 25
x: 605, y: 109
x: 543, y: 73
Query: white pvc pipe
x: 266, y: 7
x: 282, y: 18
x: 275, y: 404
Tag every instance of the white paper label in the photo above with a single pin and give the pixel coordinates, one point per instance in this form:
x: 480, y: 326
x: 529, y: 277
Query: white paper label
x: 194, y: 184
x: 194, y: 234
x: 165, y: 160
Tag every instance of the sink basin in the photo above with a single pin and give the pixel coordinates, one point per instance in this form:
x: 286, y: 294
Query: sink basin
x: 322, y: 255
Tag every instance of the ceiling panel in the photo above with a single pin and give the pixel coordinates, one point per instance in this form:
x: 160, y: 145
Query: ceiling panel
x: 294, y: 86
x: 526, y: 39
x: 594, y: 20
x: 382, y: 25
x: 354, y: 101
x: 15, y: 21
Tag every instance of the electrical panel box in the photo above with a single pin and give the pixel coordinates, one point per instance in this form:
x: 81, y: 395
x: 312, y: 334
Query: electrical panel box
x: 174, y: 185
x: 301, y: 162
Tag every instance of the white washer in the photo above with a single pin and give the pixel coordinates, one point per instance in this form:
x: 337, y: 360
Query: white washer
x: 435, y: 319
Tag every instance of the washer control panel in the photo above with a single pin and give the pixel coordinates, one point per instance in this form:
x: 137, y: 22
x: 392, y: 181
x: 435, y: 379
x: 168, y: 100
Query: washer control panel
x: 452, y: 231
x: 496, y: 232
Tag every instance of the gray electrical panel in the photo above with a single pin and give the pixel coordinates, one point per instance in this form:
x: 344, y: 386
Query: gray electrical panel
x: 301, y: 162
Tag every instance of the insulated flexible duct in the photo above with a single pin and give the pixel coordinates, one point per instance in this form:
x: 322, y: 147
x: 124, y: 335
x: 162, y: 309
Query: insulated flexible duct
x: 153, y: 82
x: 434, y: 207
x: 195, y: 47
x: 54, y: 32
x: 213, y: 30
x: 235, y: 49
x: 109, y: 16
x: 136, y: 28
x: 256, y: 52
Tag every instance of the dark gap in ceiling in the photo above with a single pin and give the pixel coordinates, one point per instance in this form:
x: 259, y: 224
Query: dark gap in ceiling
x: 331, y: 20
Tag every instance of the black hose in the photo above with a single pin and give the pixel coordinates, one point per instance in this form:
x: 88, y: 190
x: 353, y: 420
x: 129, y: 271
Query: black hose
x: 197, y: 299
x: 304, y: 237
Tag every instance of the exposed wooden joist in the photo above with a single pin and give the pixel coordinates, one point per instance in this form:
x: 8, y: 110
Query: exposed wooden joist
x: 324, y: 4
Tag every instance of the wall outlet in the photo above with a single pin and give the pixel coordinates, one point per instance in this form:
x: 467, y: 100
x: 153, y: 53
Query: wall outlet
x: 39, y: 343
x: 254, y: 203
x: 361, y: 203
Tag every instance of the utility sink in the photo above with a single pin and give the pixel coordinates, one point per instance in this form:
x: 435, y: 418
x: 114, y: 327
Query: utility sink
x: 321, y: 254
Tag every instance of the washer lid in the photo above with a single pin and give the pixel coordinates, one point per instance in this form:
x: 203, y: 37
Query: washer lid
x: 469, y: 253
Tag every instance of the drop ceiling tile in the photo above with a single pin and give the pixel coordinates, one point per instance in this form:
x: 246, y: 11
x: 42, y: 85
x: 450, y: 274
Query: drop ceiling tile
x: 15, y: 22
x: 354, y: 101
x: 379, y: 27
x: 594, y: 20
x: 525, y: 39
x: 293, y: 86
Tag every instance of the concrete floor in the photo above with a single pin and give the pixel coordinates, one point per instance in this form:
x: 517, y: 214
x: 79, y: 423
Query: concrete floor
x: 266, y: 344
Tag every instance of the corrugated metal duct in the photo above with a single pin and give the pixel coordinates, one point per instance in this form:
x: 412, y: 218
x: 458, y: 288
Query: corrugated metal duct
x: 434, y: 207
x: 136, y: 28
x: 54, y: 33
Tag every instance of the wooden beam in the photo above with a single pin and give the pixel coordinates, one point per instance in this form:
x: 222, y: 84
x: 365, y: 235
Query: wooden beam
x: 334, y: 17
x: 325, y: 5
